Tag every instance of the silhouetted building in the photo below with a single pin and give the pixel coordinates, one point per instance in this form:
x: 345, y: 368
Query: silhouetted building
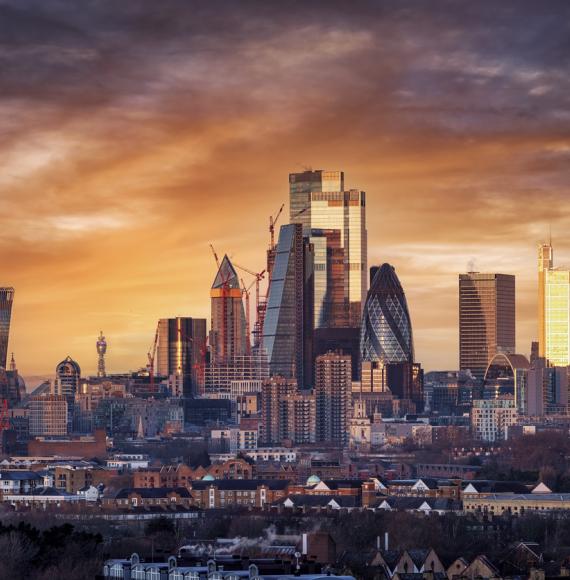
x: 333, y: 382
x: 288, y: 324
x: 67, y: 377
x: 181, y: 354
x: 486, y: 319
x: 6, y: 301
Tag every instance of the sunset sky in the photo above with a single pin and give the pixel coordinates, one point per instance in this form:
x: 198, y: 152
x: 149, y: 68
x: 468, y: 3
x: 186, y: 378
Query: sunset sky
x: 136, y: 132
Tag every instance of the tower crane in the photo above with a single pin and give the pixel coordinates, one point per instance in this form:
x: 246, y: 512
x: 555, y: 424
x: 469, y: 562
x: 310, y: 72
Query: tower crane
x: 245, y: 292
x: 151, y: 354
x: 260, y: 311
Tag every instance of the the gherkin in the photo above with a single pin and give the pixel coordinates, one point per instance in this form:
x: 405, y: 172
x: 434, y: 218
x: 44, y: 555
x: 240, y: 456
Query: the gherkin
x: 386, y: 332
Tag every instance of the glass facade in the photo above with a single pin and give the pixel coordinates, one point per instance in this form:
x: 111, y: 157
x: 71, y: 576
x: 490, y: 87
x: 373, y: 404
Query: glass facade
x: 6, y: 300
x: 181, y: 351
x: 386, y: 332
x: 287, y: 326
x: 335, y: 222
x: 557, y: 317
x: 486, y: 319
x: 228, y: 334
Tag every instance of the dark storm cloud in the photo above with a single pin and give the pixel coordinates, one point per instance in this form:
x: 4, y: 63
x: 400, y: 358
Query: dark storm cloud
x: 134, y: 130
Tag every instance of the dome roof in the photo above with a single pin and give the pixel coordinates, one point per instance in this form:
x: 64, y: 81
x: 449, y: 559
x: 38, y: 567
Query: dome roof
x: 208, y: 477
x: 313, y: 480
x: 68, y: 367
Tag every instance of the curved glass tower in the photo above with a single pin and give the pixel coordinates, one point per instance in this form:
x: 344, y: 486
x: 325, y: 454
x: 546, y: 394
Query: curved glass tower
x: 386, y: 331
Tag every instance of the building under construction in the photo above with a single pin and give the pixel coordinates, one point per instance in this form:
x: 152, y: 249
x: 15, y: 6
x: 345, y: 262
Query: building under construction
x: 228, y: 336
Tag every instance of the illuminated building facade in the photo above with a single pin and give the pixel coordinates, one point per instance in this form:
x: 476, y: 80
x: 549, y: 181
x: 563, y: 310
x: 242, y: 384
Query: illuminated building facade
x: 181, y: 352
x: 288, y: 324
x: 486, y: 319
x: 6, y: 301
x: 67, y: 377
x: 554, y: 309
x: 334, y: 220
x: 228, y: 333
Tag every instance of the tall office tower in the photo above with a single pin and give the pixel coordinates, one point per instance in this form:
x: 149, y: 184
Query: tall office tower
x: 6, y: 301
x: 486, y: 319
x: 228, y: 334
x: 298, y: 418
x: 101, y: 350
x: 333, y: 382
x: 274, y: 390
x: 320, y: 204
x: 554, y: 309
x: 288, y: 328
x: 67, y: 377
x: 386, y: 332
x: 180, y: 354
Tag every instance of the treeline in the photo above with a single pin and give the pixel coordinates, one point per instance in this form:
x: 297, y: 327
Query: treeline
x: 57, y: 552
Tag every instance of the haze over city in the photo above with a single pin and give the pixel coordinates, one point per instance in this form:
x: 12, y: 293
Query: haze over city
x: 136, y: 134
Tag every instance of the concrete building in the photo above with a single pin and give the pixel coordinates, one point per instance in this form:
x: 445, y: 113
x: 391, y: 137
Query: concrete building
x: 486, y: 319
x: 490, y: 419
x: 333, y: 385
x: 48, y: 415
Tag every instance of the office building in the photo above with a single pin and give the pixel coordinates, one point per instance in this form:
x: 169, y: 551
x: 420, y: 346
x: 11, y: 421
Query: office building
x: 288, y: 324
x: 221, y: 376
x: 507, y: 375
x: 334, y: 221
x: 6, y: 301
x: 181, y: 354
x: 546, y: 391
x: 386, y: 333
x: 67, y: 378
x: 486, y: 319
x: 228, y: 334
x: 333, y: 383
x: 48, y: 415
x: 553, y: 309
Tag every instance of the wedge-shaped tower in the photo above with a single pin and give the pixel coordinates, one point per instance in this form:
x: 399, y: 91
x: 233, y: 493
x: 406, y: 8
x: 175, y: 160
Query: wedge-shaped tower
x: 228, y: 336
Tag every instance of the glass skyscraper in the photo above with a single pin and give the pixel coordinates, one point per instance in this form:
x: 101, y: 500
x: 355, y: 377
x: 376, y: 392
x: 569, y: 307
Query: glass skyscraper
x: 287, y: 328
x: 486, y: 319
x: 334, y: 221
x: 181, y: 353
x: 6, y: 300
x: 554, y: 309
x: 386, y: 333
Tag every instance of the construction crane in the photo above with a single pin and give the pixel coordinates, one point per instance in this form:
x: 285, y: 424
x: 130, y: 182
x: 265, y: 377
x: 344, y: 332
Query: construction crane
x: 151, y: 354
x: 272, y: 224
x: 245, y: 292
x: 258, y: 308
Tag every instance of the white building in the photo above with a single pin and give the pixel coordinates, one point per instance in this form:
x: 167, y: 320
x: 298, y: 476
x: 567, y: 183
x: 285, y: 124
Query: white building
x: 490, y: 419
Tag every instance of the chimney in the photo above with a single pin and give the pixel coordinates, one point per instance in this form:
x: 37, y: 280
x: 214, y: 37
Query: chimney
x: 386, y: 544
x: 378, y: 543
x: 305, y: 546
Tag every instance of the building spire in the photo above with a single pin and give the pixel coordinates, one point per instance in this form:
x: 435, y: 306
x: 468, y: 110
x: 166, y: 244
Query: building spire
x: 13, y: 363
x: 101, y: 350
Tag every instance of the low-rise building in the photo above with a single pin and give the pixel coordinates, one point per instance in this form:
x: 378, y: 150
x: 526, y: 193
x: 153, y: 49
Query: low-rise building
x: 147, y: 497
x: 210, y: 493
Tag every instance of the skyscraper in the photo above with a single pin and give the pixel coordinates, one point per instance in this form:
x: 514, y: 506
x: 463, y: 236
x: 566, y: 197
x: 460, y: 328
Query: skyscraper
x: 67, y: 377
x: 6, y: 300
x: 334, y: 220
x: 287, y: 328
x: 386, y: 333
x: 553, y: 309
x: 228, y: 334
x: 486, y: 319
x: 181, y: 349
x: 333, y: 382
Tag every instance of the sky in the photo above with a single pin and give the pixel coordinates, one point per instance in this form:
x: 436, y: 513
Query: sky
x: 136, y: 133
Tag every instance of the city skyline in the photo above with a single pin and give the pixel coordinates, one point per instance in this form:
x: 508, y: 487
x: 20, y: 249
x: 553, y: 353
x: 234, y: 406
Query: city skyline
x: 114, y: 190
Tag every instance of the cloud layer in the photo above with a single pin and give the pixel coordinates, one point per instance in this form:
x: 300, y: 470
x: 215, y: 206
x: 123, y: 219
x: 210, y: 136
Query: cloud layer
x: 136, y: 133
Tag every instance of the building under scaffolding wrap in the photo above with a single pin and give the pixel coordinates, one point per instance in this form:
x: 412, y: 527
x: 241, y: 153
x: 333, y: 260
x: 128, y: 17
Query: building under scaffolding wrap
x: 221, y: 375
